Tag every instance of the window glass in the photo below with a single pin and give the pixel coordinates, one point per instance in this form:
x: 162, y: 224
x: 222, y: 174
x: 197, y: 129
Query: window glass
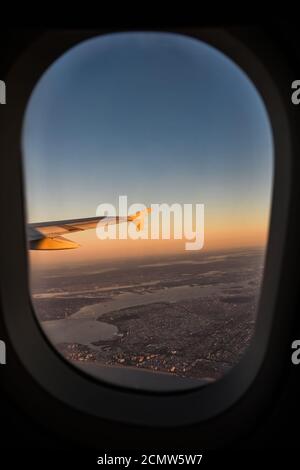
x: 164, y: 145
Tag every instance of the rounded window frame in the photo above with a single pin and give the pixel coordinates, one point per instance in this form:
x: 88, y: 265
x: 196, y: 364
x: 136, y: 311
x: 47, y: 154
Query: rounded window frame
x: 130, y: 406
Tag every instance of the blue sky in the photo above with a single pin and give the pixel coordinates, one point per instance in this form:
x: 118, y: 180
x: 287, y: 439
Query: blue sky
x: 159, y: 117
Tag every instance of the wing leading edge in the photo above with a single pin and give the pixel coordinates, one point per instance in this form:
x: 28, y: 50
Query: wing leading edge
x: 48, y: 235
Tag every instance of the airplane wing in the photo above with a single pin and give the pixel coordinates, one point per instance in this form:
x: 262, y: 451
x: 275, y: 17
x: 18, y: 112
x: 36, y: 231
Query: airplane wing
x: 47, y: 235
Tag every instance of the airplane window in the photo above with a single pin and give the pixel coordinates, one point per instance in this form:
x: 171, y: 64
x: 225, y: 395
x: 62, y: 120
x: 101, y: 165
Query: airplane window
x: 148, y: 161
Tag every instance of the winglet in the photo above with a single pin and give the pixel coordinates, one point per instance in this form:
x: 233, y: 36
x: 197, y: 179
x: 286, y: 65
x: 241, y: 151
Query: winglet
x: 139, y: 218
